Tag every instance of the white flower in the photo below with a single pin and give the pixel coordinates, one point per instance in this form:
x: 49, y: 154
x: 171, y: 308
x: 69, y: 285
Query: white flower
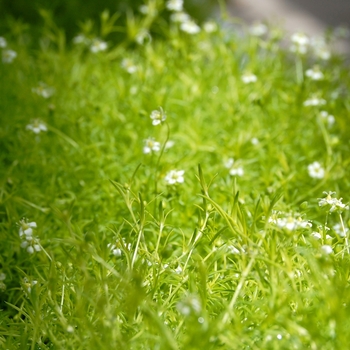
x: 314, y: 101
x: 37, y: 126
x: 233, y: 250
x: 254, y: 141
x: 98, y: 45
x: 236, y: 171
x: 175, y: 176
x: 314, y: 74
x: 31, y: 244
x: 289, y: 222
x: 81, y: 39
x: 129, y: 66
x: 248, y: 78
x: 258, y: 29
x: 174, y: 5
x: 2, y: 276
x: 151, y: 146
x: 144, y: 9
x: 26, y: 228
x: 169, y: 144
x: 320, y: 48
x: 158, y: 116
x: 323, y: 53
x: 229, y: 163
x: 190, y: 27
x: 178, y: 270
x: 210, y: 27
x: 338, y: 229
x: 327, y: 117
x: 28, y: 285
x: 43, y: 90
x: 300, y: 43
x: 334, y: 203
x: 180, y: 17
x: 3, y: 42
x: 8, y: 56
x: 315, y: 170
x: 115, y: 251
x: 327, y: 249
x: 316, y: 235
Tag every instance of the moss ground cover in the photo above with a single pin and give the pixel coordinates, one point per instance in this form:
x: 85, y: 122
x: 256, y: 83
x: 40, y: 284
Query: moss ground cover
x: 184, y: 189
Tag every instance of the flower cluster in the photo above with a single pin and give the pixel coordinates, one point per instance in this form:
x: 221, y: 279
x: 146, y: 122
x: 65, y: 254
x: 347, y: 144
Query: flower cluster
x: 234, y: 170
x: 300, y: 43
x: 327, y: 118
x: 187, y: 24
x: 258, y: 29
x: 7, y: 55
x: 28, y: 285
x: 43, y: 90
x: 95, y: 45
x: 314, y: 101
x: 289, y: 222
x: 129, y: 66
x: 37, y: 126
x: 316, y: 170
x: 29, y: 242
x: 314, y: 73
x: 333, y: 204
x: 248, y: 78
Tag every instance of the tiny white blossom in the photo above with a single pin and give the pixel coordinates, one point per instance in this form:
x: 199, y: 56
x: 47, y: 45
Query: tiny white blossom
x: 114, y: 250
x: 338, y: 229
x: 254, y: 141
x: 210, y: 27
x: 190, y: 27
x: 31, y: 244
x: 151, y: 146
x: 28, y: 285
x: 158, y: 116
x: 236, y: 171
x: 169, y: 144
x: 314, y: 101
x: 300, y: 43
x: 26, y: 228
x: 316, y: 235
x: 175, y: 176
x: 315, y: 170
x: 8, y: 56
x: 229, y: 163
x: 178, y: 270
x: 248, y: 78
x: 174, y: 5
x: 180, y: 17
x: 43, y: 90
x: 144, y: 9
x: 36, y: 126
x: 98, y: 45
x: 129, y: 66
x: 334, y: 203
x: 2, y: 276
x: 327, y: 249
x: 328, y: 118
x: 81, y: 39
x: 314, y: 74
x: 320, y: 48
x: 3, y: 42
x: 233, y: 250
x: 258, y: 29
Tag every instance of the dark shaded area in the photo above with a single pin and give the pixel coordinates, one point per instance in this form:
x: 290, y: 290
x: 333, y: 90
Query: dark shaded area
x: 68, y: 13
x: 331, y: 12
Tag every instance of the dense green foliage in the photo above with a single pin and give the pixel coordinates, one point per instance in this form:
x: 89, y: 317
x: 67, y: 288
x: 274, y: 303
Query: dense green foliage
x: 237, y: 252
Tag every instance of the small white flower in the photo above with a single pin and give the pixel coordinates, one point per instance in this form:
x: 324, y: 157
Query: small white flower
x: 3, y: 42
x: 338, y: 229
x: 43, y: 90
x: 8, y: 56
x: 328, y: 118
x: 248, y: 78
x: 323, y: 53
x: 114, y: 250
x: 233, y: 250
x: 129, y: 66
x: 258, y: 29
x: 37, y: 126
x: 236, y: 171
x: 2, y: 276
x: 314, y: 101
x: 98, y: 45
x: 334, y: 203
x: 28, y: 285
x: 210, y: 27
x: 327, y: 249
x: 151, y: 146
x: 316, y: 235
x: 81, y: 39
x: 315, y: 170
x: 300, y: 39
x: 178, y: 270
x: 175, y: 176
x: 144, y: 9
x: 229, y: 163
x: 314, y: 74
x: 158, y: 116
x: 174, y: 5
x: 320, y: 48
x: 190, y: 27
x: 180, y: 17
x: 31, y: 244
x: 169, y: 144
x: 254, y: 141
x: 26, y: 228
